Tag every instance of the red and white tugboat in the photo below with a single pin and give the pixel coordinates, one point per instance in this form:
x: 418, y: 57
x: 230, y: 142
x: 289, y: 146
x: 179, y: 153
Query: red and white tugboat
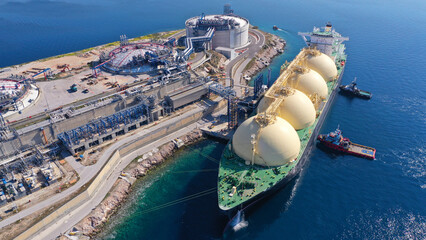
x: 336, y: 141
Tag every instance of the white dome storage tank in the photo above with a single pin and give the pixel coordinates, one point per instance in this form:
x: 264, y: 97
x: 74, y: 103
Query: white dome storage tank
x: 296, y: 108
x: 309, y: 82
x: 322, y: 64
x: 276, y: 144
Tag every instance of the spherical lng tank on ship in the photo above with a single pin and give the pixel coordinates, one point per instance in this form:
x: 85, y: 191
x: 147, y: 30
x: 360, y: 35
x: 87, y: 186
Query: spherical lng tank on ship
x: 275, y: 144
x: 230, y: 31
x: 296, y: 108
x: 322, y: 64
x: 309, y: 82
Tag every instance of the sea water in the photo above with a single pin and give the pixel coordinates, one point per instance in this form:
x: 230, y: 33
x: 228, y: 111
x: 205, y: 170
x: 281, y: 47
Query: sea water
x: 335, y: 196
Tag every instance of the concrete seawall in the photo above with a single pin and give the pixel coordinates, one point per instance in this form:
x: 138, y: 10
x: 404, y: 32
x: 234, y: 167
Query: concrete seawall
x: 93, y: 222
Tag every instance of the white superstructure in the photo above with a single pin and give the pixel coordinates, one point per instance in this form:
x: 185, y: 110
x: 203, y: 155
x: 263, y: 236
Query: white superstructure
x: 325, y: 39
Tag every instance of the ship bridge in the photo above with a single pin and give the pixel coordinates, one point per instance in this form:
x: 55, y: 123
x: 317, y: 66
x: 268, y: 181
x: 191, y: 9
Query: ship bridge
x: 325, y: 39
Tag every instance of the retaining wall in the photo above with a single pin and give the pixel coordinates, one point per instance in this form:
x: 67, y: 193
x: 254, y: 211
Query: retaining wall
x: 113, y: 161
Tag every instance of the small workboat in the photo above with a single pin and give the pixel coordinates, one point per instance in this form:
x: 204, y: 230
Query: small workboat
x: 335, y: 140
x: 354, y: 90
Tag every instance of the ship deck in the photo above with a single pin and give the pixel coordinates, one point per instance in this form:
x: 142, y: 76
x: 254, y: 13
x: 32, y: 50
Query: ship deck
x: 251, y: 180
x: 362, y: 150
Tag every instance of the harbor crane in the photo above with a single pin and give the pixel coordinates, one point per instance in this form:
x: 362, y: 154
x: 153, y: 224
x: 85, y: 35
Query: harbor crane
x: 96, y: 69
x: 35, y: 75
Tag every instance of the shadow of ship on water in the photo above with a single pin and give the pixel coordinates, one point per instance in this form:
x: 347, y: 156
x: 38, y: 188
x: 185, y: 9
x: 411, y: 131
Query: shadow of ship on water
x: 202, y: 219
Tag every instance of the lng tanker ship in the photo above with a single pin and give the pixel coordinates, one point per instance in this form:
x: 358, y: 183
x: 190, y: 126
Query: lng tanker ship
x: 270, y: 148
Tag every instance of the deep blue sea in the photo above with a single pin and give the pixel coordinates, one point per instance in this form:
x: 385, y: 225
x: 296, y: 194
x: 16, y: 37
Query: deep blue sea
x: 335, y: 196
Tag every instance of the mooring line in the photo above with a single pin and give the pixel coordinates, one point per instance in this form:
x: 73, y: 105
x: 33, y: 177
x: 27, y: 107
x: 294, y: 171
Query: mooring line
x: 200, y: 170
x: 206, y: 156
x: 178, y: 201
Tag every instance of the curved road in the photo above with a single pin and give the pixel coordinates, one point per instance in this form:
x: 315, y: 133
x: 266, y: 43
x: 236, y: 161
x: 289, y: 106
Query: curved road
x: 257, y: 41
x: 86, y: 173
x: 65, y: 223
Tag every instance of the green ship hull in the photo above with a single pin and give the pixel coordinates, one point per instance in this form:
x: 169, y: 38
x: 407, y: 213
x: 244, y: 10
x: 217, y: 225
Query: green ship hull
x: 240, y: 186
x: 270, y: 179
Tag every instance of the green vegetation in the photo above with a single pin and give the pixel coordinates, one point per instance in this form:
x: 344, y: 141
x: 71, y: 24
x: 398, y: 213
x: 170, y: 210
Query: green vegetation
x: 169, y: 34
x: 68, y: 54
x: 155, y: 36
x: 58, y: 56
x: 111, y: 44
x: 215, y: 58
x: 250, y: 64
x: 79, y: 107
x: 136, y: 159
x: 47, y: 117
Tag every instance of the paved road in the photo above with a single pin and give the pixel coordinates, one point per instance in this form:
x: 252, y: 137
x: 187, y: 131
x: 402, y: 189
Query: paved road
x: 238, y: 76
x: 72, y: 161
x: 178, y: 34
x: 257, y: 41
x: 51, y: 89
x: 65, y: 223
x: 197, y: 60
x: 87, y: 173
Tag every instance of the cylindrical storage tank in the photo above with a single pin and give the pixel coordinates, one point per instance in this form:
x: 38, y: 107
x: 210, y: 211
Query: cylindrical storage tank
x: 191, y: 28
x: 239, y: 35
x: 275, y: 145
x: 322, y: 64
x: 221, y: 38
x: 230, y: 31
x: 296, y: 108
x: 309, y: 82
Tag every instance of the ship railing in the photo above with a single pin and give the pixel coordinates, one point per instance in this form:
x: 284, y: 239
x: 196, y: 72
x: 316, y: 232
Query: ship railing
x: 362, y: 146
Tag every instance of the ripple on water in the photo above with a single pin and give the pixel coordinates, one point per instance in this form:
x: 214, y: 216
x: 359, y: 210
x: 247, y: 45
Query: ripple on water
x: 128, y: 207
x: 413, y: 106
x: 393, y: 224
x: 412, y: 162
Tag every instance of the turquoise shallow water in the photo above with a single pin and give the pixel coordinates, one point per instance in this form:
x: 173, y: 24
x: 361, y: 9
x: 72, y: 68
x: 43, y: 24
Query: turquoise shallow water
x: 189, y: 176
x: 336, y: 196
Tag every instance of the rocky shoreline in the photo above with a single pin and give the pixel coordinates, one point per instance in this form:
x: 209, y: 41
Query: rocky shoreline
x: 274, y: 46
x: 92, y: 224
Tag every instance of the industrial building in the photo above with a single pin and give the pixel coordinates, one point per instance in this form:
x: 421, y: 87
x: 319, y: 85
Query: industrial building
x: 11, y: 92
x: 134, y: 58
x: 185, y: 96
x: 81, y: 126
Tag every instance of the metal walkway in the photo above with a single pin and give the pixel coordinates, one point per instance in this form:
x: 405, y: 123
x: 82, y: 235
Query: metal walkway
x: 101, y: 125
x: 190, y: 42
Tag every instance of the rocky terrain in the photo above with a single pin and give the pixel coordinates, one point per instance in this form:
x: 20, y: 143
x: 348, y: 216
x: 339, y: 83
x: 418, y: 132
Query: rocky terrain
x: 92, y: 224
x: 274, y: 46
